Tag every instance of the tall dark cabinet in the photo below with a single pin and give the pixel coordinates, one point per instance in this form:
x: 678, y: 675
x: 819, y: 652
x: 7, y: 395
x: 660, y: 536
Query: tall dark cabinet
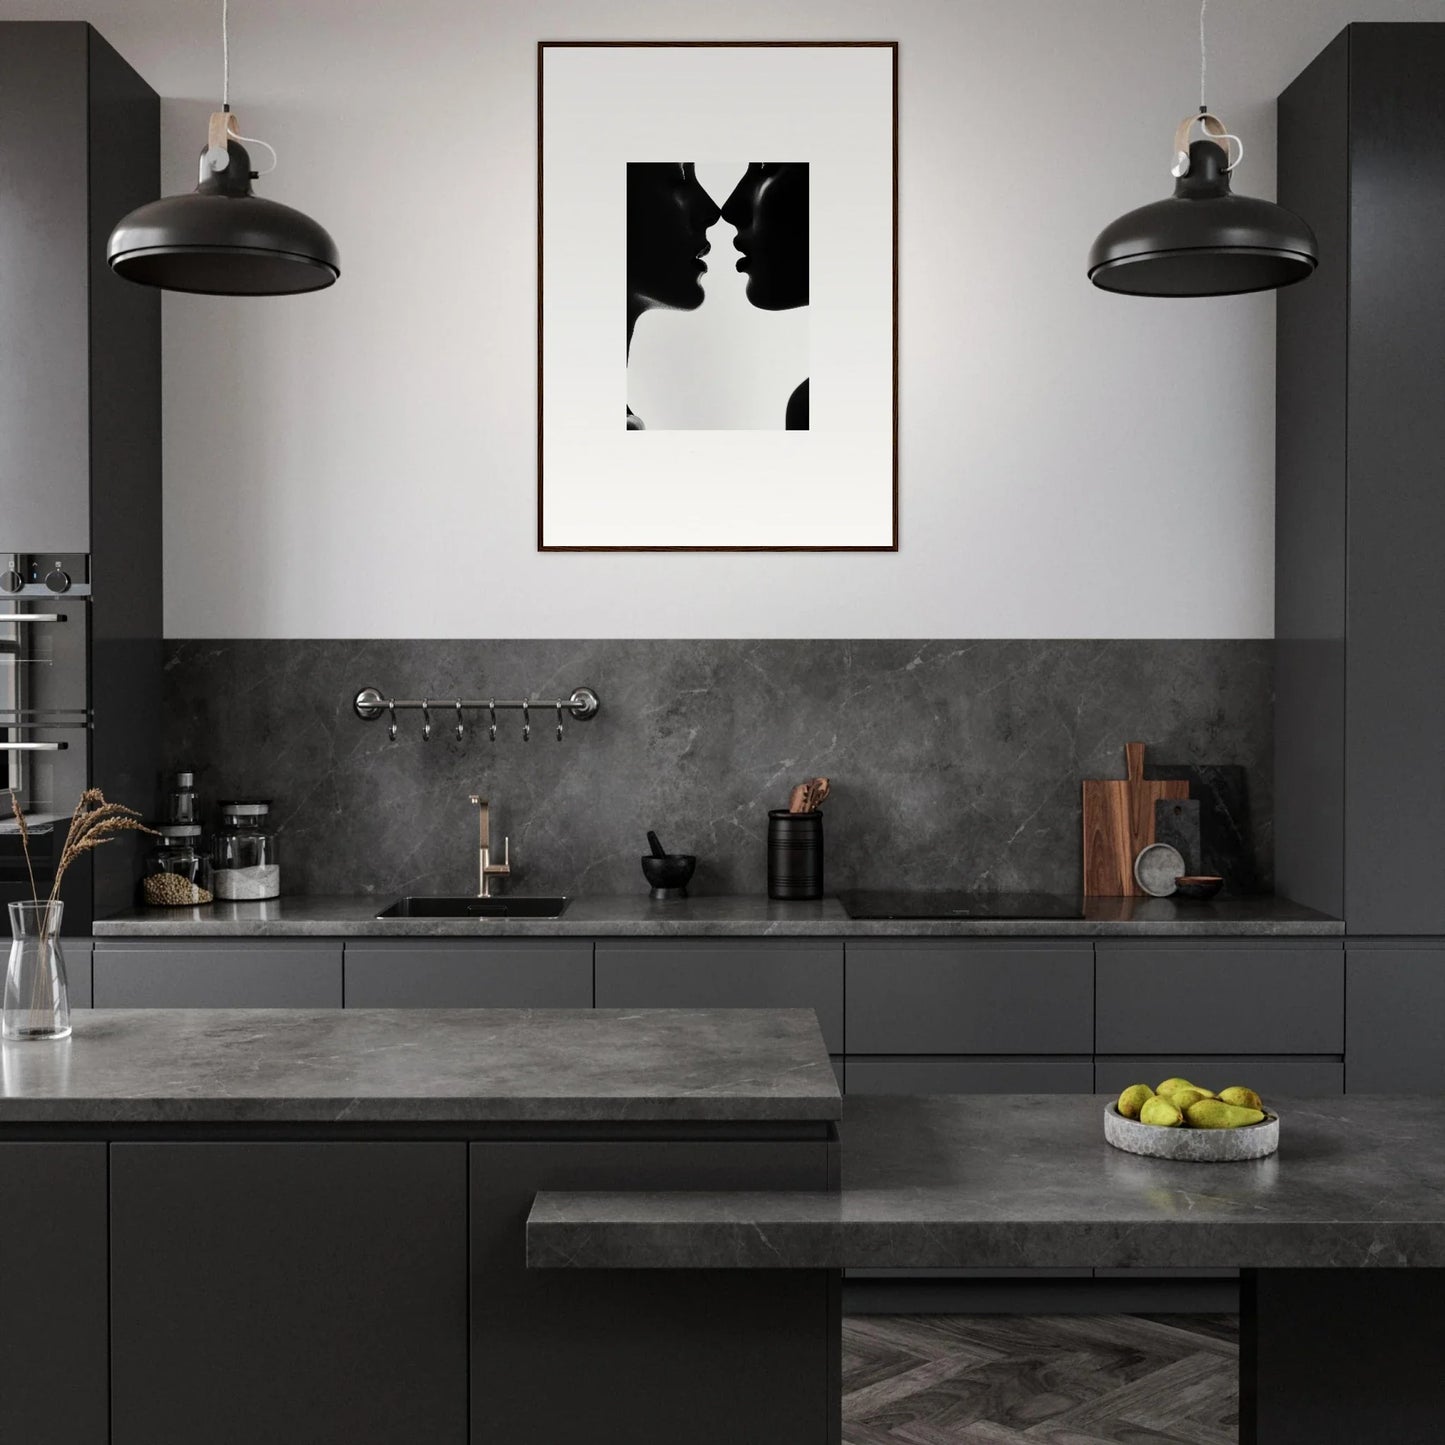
x: 80, y: 444
x: 1360, y: 527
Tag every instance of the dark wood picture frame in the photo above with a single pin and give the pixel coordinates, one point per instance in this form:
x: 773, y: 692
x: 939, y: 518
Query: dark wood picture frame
x: 542, y: 47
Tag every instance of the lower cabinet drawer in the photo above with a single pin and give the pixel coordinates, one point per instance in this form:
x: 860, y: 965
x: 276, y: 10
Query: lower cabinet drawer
x: 512, y: 973
x: 958, y: 996
x: 1159, y: 997
x: 1299, y: 1077
x: 1396, y: 1018
x: 197, y: 973
x: 77, y: 970
x: 970, y: 1076
x: 713, y: 973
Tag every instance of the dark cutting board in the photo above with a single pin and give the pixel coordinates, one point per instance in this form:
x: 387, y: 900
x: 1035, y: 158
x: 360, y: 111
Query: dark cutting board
x: 1176, y: 822
x: 1226, y: 836
x: 1118, y: 823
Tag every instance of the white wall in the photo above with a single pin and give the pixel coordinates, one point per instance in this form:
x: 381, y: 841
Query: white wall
x: 362, y: 462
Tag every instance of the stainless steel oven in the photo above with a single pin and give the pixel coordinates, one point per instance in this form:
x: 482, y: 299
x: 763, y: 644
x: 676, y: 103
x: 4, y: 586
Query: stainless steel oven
x: 45, y: 716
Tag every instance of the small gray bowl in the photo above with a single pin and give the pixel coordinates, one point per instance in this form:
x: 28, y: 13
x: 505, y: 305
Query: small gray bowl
x: 1193, y: 1146
x: 1156, y: 868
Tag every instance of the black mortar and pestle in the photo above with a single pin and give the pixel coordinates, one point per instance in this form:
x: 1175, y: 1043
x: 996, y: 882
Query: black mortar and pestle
x: 667, y: 872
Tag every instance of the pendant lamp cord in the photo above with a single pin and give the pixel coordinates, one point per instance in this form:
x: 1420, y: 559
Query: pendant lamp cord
x: 217, y: 161
x: 1203, y: 55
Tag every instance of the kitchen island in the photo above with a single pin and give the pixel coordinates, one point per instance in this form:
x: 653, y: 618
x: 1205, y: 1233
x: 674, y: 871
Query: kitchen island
x: 1341, y: 1234
x: 309, y: 1226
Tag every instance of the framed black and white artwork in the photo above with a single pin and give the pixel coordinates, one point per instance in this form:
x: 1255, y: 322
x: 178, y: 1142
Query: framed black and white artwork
x: 717, y: 296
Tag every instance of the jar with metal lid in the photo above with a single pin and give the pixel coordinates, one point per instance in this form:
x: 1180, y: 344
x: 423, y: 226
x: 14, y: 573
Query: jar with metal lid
x: 178, y: 868
x: 180, y: 798
x: 245, y: 864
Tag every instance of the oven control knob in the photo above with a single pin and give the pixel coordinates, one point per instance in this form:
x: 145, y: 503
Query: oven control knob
x: 11, y: 581
x: 58, y: 580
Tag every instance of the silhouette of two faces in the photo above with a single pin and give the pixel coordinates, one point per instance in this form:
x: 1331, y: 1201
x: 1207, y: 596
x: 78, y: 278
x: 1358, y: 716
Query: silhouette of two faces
x: 668, y: 215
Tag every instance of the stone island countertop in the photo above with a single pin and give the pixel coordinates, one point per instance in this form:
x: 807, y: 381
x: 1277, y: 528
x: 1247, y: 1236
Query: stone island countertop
x: 423, y: 1066
x: 965, y: 1181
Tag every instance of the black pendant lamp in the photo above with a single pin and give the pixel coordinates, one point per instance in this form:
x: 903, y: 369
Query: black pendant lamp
x: 223, y: 239
x: 1203, y: 240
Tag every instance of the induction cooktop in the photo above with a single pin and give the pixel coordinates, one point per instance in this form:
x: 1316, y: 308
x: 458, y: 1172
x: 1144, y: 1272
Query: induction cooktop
x: 905, y: 904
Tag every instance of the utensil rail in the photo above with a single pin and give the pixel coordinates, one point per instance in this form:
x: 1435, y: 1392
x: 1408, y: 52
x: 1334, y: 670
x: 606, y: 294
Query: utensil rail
x: 370, y: 703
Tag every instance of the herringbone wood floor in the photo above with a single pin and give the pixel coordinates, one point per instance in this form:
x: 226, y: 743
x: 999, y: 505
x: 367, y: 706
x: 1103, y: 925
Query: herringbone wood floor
x: 1040, y: 1380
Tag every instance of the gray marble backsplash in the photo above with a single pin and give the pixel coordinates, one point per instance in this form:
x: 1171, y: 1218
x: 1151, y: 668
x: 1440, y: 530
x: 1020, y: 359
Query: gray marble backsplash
x: 954, y: 764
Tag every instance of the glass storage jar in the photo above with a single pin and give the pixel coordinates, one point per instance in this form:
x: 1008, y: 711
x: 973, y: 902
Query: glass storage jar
x: 180, y: 798
x: 245, y: 865
x: 178, y: 869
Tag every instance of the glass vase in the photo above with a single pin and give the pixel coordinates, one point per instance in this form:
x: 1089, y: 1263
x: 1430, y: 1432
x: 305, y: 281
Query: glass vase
x: 37, y: 1001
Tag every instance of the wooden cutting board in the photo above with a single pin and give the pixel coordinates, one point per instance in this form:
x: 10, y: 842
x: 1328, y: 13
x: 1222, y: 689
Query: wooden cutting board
x: 1118, y: 822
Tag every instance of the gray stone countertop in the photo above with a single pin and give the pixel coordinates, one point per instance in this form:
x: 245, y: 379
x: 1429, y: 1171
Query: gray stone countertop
x: 637, y: 916
x: 422, y: 1066
x: 1027, y: 1181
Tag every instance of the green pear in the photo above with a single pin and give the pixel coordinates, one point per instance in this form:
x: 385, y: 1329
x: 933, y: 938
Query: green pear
x: 1244, y: 1098
x: 1133, y: 1099
x: 1215, y: 1114
x: 1183, y: 1098
x: 1161, y: 1112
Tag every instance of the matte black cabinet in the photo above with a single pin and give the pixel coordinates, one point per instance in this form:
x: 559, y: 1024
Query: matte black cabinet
x: 44, y: 288
x: 754, y: 1366
x: 295, y: 1293
x: 1271, y: 1074
x: 959, y: 996
x: 922, y: 1016
x: 867, y: 1075
x: 1396, y: 1017
x: 1360, y: 509
x: 498, y: 973
x: 724, y: 973
x: 80, y: 413
x: 201, y: 973
x: 53, y: 1327
x: 1157, y: 997
x: 80, y: 379
x: 77, y: 953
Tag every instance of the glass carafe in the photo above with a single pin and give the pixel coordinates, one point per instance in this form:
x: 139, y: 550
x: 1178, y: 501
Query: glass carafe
x: 37, y: 1001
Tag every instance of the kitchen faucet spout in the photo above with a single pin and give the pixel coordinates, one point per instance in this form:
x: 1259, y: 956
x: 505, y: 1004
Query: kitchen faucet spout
x: 486, y: 869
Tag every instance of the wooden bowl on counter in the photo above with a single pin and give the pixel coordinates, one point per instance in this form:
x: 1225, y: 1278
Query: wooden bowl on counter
x: 1198, y: 885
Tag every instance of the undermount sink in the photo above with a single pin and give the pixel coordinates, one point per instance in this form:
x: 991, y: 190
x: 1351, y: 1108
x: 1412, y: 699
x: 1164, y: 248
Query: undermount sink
x: 473, y: 907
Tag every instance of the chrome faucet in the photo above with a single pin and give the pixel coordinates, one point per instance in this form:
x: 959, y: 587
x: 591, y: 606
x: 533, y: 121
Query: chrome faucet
x: 486, y: 869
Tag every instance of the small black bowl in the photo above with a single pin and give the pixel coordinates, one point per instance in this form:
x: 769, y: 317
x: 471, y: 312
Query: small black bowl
x: 1198, y: 885
x: 669, y: 874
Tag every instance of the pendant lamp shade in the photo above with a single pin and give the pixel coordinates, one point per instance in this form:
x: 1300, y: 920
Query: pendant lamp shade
x: 1203, y: 240
x: 223, y: 239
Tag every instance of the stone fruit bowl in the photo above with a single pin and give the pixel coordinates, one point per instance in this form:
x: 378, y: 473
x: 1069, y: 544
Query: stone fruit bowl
x: 1197, y: 1146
